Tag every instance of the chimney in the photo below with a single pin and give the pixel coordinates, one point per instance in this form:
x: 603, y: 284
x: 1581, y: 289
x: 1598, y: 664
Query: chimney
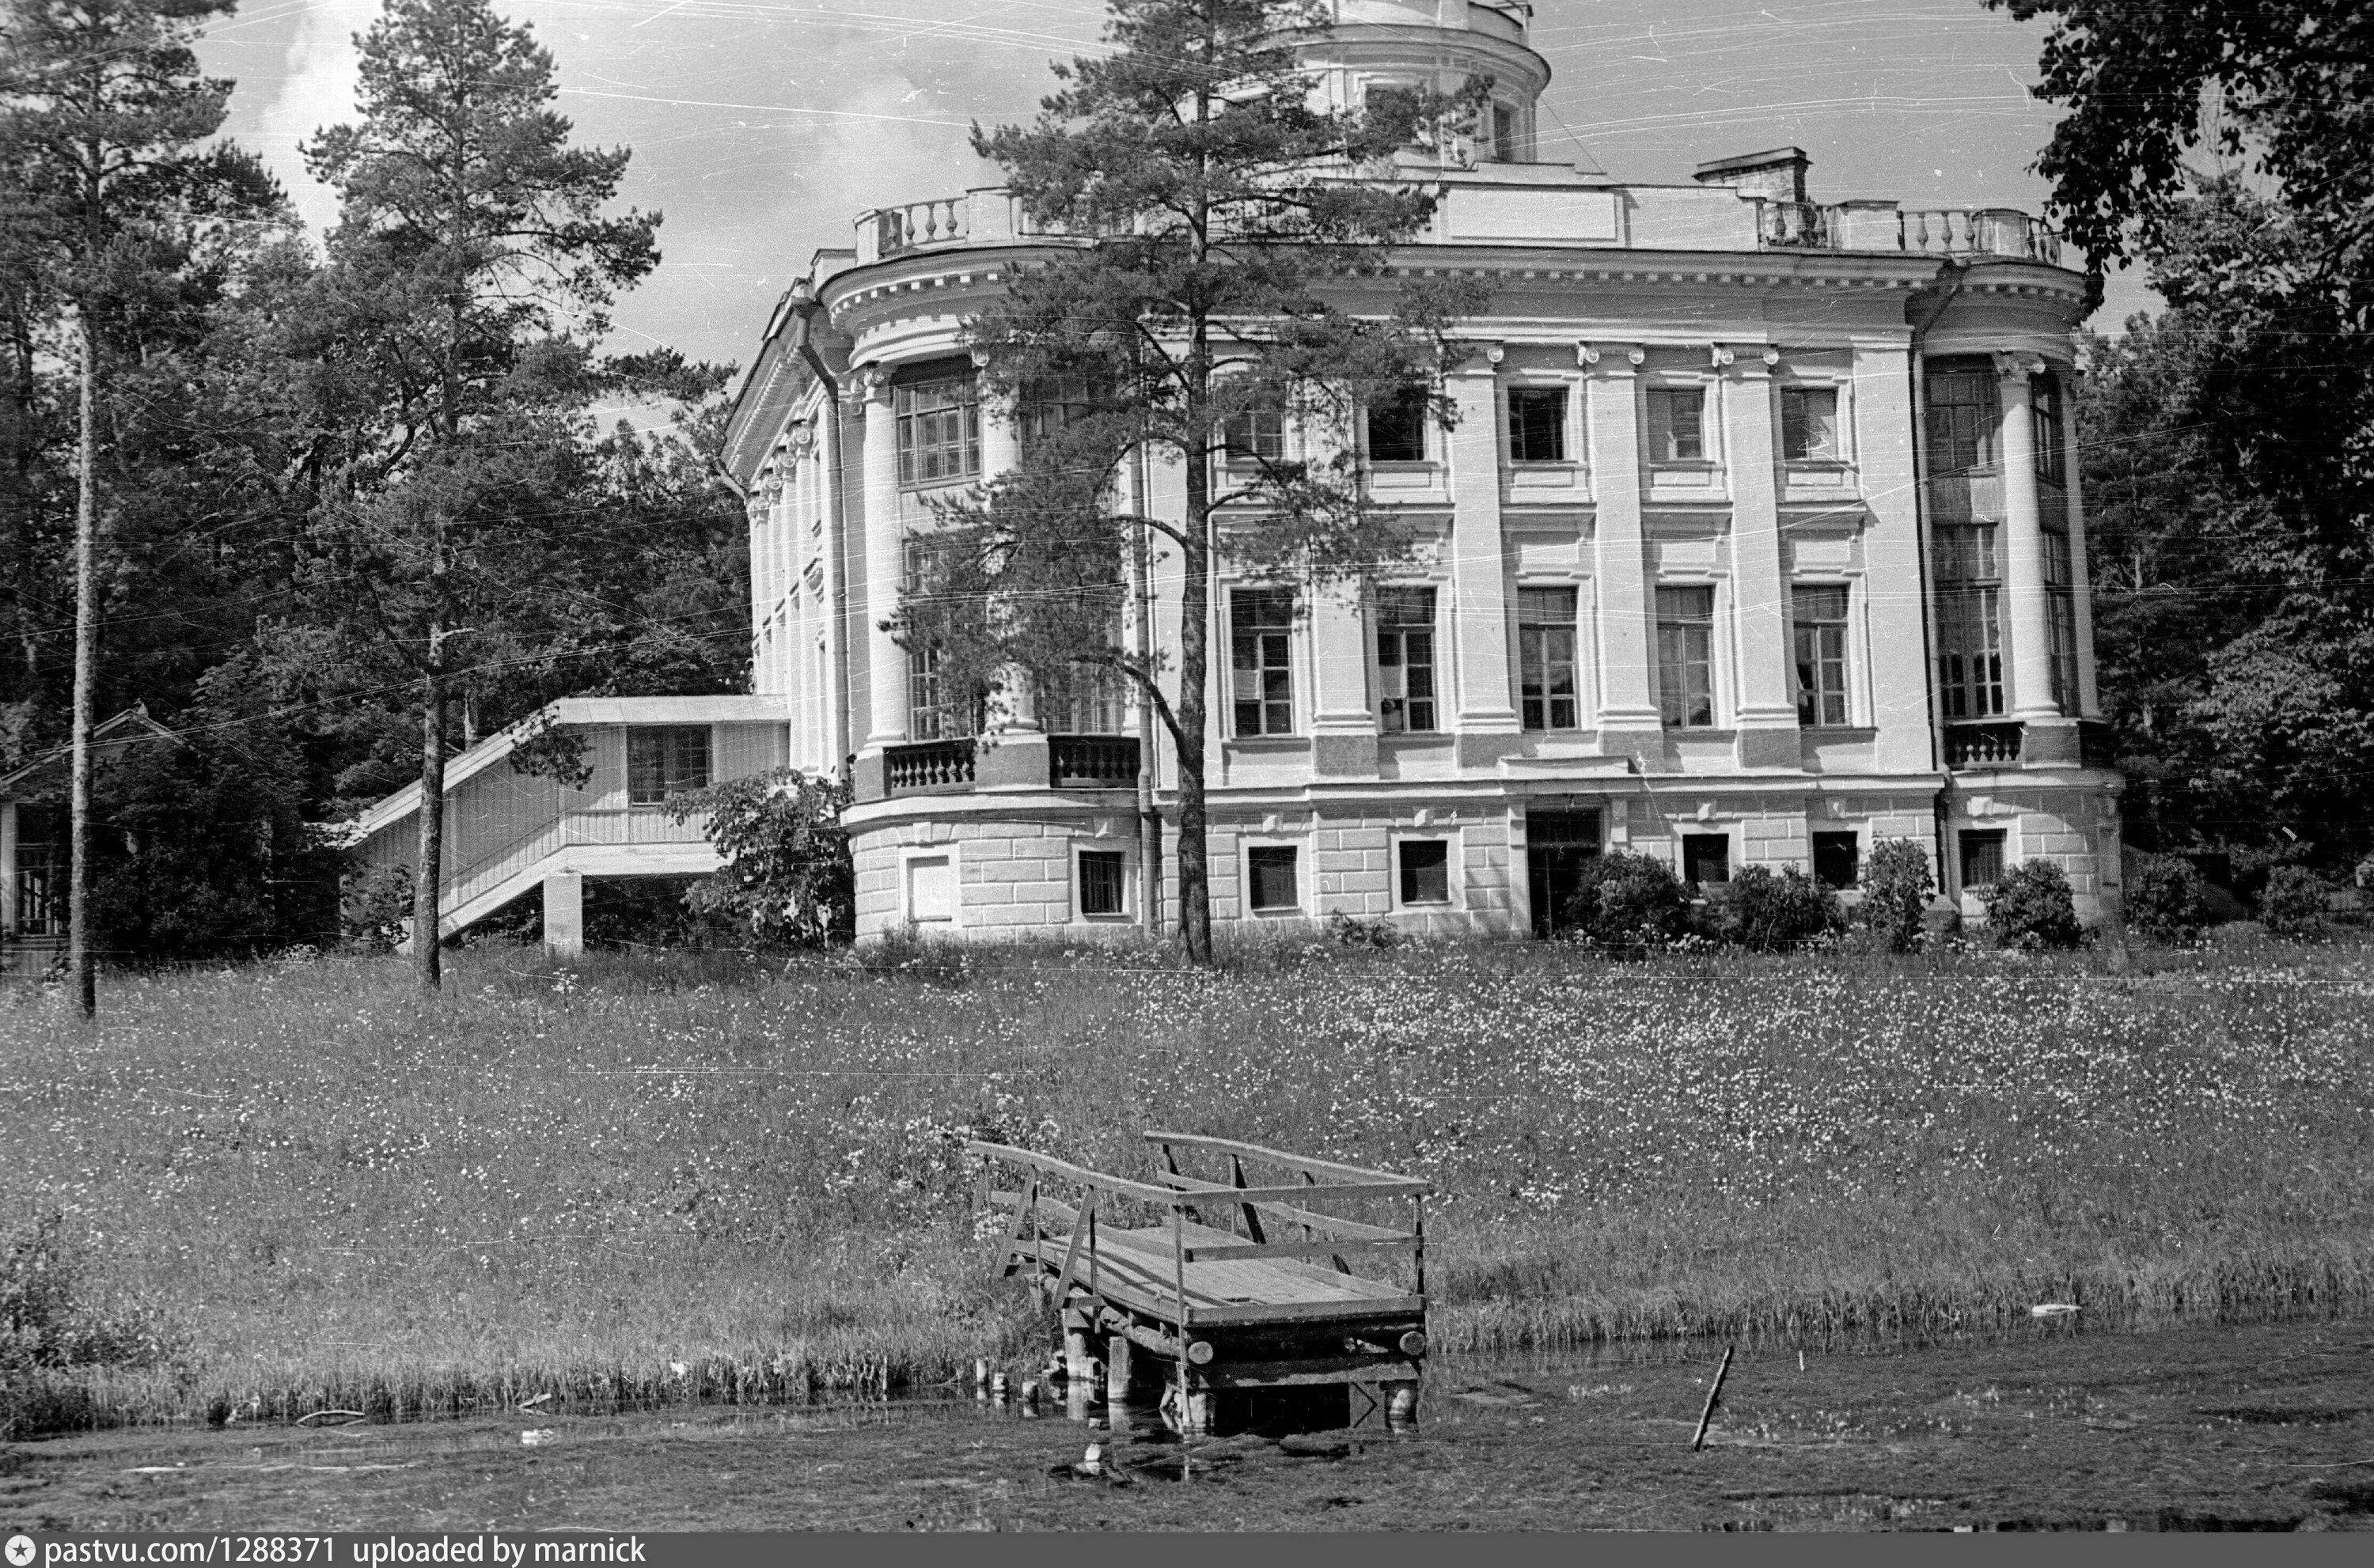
x: 1777, y: 175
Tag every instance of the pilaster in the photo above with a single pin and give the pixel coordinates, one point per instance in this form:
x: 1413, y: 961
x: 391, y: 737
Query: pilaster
x: 2081, y: 573
x: 1478, y: 621
x: 1628, y: 702
x: 1766, y: 712
x: 1343, y: 726
x: 1893, y: 648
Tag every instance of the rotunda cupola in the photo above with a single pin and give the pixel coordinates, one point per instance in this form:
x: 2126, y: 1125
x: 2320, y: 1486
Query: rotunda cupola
x: 1439, y: 44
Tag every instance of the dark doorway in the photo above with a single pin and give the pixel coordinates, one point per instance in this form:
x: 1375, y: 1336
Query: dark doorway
x: 1556, y: 844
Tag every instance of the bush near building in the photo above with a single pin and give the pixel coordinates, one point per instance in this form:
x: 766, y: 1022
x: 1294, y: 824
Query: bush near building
x: 2294, y: 904
x: 1770, y: 911
x: 1896, y: 886
x: 2031, y: 908
x: 2167, y: 901
x: 1628, y: 900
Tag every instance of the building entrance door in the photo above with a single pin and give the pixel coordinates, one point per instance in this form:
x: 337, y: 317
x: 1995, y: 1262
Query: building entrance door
x: 1556, y: 844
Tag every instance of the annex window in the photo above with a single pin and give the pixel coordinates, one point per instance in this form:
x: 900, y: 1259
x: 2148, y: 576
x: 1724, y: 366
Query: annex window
x: 1102, y: 890
x: 1982, y: 858
x: 1836, y: 859
x: 939, y: 430
x: 1261, y: 645
x: 1425, y: 871
x: 42, y: 856
x: 1254, y: 434
x: 1818, y: 623
x: 1405, y: 660
x: 1396, y: 428
x: 1686, y: 657
x: 1677, y: 424
x: 1809, y: 423
x: 1546, y: 683
x: 1536, y: 424
x: 1706, y: 857
x: 1269, y: 877
x: 664, y: 761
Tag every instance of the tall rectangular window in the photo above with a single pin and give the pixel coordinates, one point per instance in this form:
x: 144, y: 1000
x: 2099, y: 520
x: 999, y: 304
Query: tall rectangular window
x: 1425, y: 871
x: 2044, y: 416
x: 1101, y: 888
x: 1501, y: 121
x: 1963, y: 421
x: 1546, y: 683
x: 1052, y: 406
x: 666, y: 760
x: 1676, y: 425
x: 1818, y: 624
x: 1269, y: 874
x: 1686, y: 657
x: 1405, y: 660
x: 939, y: 430
x: 1261, y: 669
x: 1254, y: 435
x: 2061, y: 617
x: 1536, y: 424
x: 1969, y: 620
x: 935, y: 708
x: 1396, y: 430
x: 1809, y: 423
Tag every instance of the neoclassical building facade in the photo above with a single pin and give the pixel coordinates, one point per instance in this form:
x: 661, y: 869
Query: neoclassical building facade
x: 1758, y: 539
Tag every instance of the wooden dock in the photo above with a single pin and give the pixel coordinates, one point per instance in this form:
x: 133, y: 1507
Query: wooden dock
x: 1234, y: 1287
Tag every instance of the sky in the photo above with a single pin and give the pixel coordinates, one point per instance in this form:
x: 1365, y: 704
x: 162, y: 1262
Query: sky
x: 761, y: 127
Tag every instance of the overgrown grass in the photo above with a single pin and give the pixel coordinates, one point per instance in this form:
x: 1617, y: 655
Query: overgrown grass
x: 636, y: 1179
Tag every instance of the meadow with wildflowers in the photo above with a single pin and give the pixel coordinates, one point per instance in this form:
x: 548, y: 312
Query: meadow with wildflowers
x: 618, y: 1181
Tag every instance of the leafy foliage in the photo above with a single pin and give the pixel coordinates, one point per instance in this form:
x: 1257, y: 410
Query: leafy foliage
x: 1896, y: 886
x: 1624, y: 900
x: 787, y: 878
x: 2032, y: 909
x: 2167, y: 901
x: 2294, y: 903
x: 1769, y: 912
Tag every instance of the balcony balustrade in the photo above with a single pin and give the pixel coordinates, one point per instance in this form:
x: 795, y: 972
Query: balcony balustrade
x: 1091, y: 762
x: 942, y: 220
x: 1795, y: 226
x: 924, y: 767
x: 1995, y: 743
x: 1982, y: 232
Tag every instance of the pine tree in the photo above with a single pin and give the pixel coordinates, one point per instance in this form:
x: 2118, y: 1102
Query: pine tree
x: 1228, y: 273
x: 106, y: 112
x: 451, y: 354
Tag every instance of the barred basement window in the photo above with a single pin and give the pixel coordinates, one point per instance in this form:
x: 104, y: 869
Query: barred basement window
x: 939, y: 430
x: 1818, y: 617
x: 1269, y: 871
x: 1545, y: 664
x: 666, y: 761
x: 1260, y: 670
x: 1100, y: 883
x: 1982, y: 858
x: 1686, y: 657
x: 1405, y: 660
x: 1536, y: 424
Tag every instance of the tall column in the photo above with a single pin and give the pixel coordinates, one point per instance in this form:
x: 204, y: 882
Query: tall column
x: 2081, y: 573
x: 1343, y: 727
x: 2031, y: 697
x: 830, y: 476
x: 1016, y: 704
x: 1628, y: 705
x: 1479, y: 573
x: 885, y: 565
x: 1760, y: 581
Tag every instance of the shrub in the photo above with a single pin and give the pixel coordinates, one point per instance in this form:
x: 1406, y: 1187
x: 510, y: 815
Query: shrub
x: 1352, y: 932
x: 2168, y: 901
x: 2294, y: 904
x: 1628, y: 900
x: 374, y: 905
x: 1895, y: 888
x: 44, y: 1321
x: 2031, y: 909
x: 787, y: 877
x: 1769, y: 912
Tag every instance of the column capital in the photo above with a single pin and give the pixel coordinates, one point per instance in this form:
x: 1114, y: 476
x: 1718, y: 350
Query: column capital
x: 1611, y: 359
x: 1478, y: 360
x: 870, y: 384
x: 2015, y: 365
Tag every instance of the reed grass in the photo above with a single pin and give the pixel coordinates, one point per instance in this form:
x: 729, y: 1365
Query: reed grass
x: 628, y: 1181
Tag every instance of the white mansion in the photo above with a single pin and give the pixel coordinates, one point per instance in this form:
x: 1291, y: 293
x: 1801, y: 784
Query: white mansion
x: 1758, y: 539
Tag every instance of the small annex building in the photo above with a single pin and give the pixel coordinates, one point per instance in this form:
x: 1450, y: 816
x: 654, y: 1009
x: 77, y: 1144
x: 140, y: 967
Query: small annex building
x: 35, y: 847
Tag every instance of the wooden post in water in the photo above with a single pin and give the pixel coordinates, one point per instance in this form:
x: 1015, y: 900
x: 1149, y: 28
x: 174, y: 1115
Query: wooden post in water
x: 1707, y: 1415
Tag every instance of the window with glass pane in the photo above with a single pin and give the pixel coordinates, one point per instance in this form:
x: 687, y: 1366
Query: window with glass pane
x: 1547, y: 685
x: 1397, y: 429
x: 2061, y: 617
x: 2051, y: 450
x: 1809, y: 423
x: 1686, y: 657
x: 1982, y: 858
x: 1504, y: 133
x: 1676, y: 425
x: 1818, y: 623
x: 666, y: 761
x: 1100, y: 883
x: 1706, y: 857
x: 939, y: 430
x: 1536, y: 424
x: 1054, y: 405
x: 1969, y: 653
x: 933, y: 710
x: 1836, y: 860
x: 1260, y: 641
x: 1270, y: 869
x: 1255, y: 434
x: 1962, y: 420
x: 1965, y: 552
x: 1405, y: 659
x: 1426, y: 872
x: 1084, y: 700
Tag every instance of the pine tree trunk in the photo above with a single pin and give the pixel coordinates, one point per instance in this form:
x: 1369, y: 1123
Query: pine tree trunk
x: 427, y: 915
x: 1194, y: 618
x: 80, y: 961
